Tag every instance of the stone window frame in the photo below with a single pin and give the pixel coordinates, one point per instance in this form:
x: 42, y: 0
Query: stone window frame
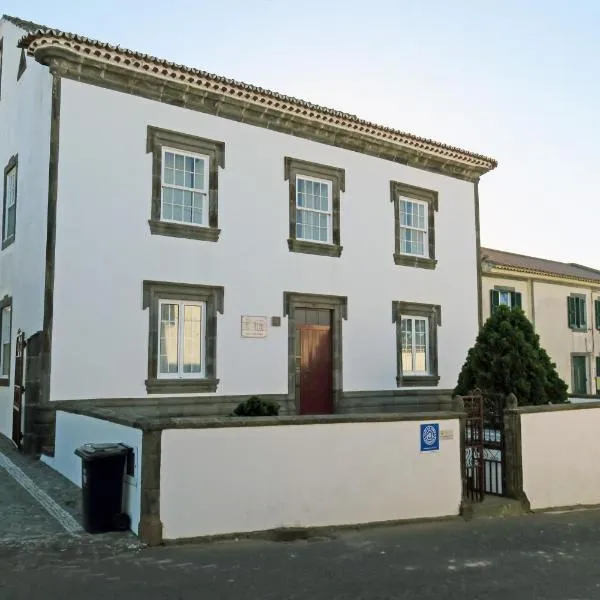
x: 584, y: 327
x: 13, y: 163
x: 213, y: 296
x: 157, y: 138
x: 433, y: 313
x: 22, y: 64
x: 294, y: 167
x: 338, y: 305
x: 6, y: 302
x: 412, y: 192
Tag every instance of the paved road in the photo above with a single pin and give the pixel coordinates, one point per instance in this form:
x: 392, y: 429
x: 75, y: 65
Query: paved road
x: 541, y: 557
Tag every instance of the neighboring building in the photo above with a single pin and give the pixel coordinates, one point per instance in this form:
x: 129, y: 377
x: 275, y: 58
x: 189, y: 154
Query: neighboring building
x: 562, y: 300
x: 175, y: 234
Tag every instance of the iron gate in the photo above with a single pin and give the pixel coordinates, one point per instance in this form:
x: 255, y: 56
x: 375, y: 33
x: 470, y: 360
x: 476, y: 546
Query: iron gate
x: 484, y: 445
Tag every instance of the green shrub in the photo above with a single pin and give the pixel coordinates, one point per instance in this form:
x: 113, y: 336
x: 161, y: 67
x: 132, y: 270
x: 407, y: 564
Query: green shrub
x: 256, y: 407
x: 507, y: 357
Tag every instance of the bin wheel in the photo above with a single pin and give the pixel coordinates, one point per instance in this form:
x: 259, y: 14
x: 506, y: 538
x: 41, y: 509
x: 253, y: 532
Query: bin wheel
x: 121, y: 522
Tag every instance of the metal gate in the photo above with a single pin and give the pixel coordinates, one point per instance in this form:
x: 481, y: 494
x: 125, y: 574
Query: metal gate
x: 484, y: 445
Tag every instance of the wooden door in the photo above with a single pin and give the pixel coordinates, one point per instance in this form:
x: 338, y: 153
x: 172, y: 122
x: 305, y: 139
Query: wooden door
x: 579, y: 375
x: 17, y: 433
x: 314, y: 361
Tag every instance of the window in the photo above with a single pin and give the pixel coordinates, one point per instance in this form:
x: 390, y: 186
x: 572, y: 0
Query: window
x: 416, y: 339
x: 185, y: 172
x: 181, y: 339
x: 22, y: 64
x: 184, y: 196
x: 314, y: 207
x: 414, y: 217
x: 5, y: 339
x: 1, y: 56
x: 313, y: 210
x: 9, y: 214
x: 597, y: 313
x: 504, y: 297
x: 182, y: 336
x: 576, y: 312
x: 415, y: 359
x: 413, y: 228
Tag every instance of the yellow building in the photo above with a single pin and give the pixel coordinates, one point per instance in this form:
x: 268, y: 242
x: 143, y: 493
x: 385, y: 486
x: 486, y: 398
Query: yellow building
x: 562, y: 300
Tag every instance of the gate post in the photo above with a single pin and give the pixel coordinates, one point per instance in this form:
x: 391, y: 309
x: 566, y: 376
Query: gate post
x: 458, y: 406
x: 513, y: 457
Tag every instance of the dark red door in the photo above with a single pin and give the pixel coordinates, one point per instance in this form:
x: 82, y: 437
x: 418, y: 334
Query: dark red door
x: 313, y: 340
x: 17, y: 434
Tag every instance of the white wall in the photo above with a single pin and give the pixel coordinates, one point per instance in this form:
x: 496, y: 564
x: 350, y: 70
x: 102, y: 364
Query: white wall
x: 104, y: 250
x: 72, y: 431
x: 24, y: 130
x: 560, y: 457
x: 233, y: 480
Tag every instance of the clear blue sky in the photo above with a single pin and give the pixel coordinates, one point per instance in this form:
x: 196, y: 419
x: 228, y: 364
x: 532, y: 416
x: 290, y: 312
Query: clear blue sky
x: 515, y: 80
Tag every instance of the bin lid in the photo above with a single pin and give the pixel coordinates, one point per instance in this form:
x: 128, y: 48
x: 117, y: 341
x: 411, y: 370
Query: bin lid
x: 95, y: 451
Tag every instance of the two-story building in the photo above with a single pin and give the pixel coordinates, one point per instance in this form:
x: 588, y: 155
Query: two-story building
x: 168, y: 233
x: 562, y: 300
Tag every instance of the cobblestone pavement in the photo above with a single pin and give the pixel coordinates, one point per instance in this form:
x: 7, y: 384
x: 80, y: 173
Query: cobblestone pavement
x: 541, y: 557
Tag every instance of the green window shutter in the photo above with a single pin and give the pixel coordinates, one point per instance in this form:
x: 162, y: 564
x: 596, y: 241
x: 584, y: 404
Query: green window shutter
x: 571, y: 312
x: 582, y: 313
x: 597, y: 311
x: 494, y: 300
x: 516, y: 300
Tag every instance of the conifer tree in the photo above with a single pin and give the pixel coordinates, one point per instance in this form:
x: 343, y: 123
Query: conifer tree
x: 507, y: 357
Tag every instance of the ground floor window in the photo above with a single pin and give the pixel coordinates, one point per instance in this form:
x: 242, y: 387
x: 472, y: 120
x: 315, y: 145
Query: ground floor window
x: 182, y: 336
x: 416, y: 343
x: 5, y: 337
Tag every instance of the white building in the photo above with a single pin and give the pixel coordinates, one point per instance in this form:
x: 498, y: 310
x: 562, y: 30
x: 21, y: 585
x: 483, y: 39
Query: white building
x: 175, y: 234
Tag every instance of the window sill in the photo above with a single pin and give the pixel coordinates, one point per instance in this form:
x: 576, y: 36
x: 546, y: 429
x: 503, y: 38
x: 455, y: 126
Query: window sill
x: 306, y: 247
x: 181, y: 386
x: 418, y: 381
x: 579, y: 329
x: 8, y: 241
x: 421, y: 262
x: 180, y: 230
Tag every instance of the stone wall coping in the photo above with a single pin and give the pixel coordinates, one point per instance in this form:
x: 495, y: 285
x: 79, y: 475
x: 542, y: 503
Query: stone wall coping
x: 525, y: 410
x: 200, y: 422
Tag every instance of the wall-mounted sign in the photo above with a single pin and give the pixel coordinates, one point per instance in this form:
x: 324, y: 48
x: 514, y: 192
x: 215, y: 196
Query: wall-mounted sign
x: 254, y: 327
x: 430, y: 437
x: 446, y: 434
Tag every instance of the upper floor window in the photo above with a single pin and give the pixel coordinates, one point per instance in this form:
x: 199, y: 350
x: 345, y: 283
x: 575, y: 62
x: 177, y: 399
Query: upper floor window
x: 9, y: 211
x: 414, y: 222
x: 576, y: 312
x: 597, y: 314
x: 185, y: 175
x: 313, y: 210
x: 184, y: 188
x: 416, y: 340
x: 504, y: 297
x: 314, y: 202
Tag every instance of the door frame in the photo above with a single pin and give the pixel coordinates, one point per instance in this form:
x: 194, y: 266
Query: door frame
x: 586, y: 358
x: 338, y: 305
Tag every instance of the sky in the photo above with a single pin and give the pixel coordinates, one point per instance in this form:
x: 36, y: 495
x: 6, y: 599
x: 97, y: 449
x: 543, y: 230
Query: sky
x: 515, y: 80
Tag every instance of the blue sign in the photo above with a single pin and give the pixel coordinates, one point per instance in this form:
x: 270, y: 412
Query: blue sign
x: 430, y: 437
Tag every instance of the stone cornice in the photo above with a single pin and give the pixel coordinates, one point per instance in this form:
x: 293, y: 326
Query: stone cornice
x: 114, y: 68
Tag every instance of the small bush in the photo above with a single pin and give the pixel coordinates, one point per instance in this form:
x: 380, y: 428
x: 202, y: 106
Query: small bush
x: 256, y: 407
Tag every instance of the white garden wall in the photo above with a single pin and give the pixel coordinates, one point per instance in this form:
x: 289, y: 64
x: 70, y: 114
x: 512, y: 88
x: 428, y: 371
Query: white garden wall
x: 233, y: 480
x: 72, y: 431
x: 561, y: 454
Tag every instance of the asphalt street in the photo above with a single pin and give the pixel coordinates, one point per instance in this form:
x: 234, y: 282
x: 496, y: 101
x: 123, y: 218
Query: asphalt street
x: 550, y: 556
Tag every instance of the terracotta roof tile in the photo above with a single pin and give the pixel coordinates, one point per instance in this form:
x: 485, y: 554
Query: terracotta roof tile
x: 539, y: 265
x: 269, y: 97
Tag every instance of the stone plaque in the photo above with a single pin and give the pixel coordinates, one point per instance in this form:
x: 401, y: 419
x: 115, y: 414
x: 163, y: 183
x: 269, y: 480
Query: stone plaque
x: 254, y: 327
x: 446, y: 434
